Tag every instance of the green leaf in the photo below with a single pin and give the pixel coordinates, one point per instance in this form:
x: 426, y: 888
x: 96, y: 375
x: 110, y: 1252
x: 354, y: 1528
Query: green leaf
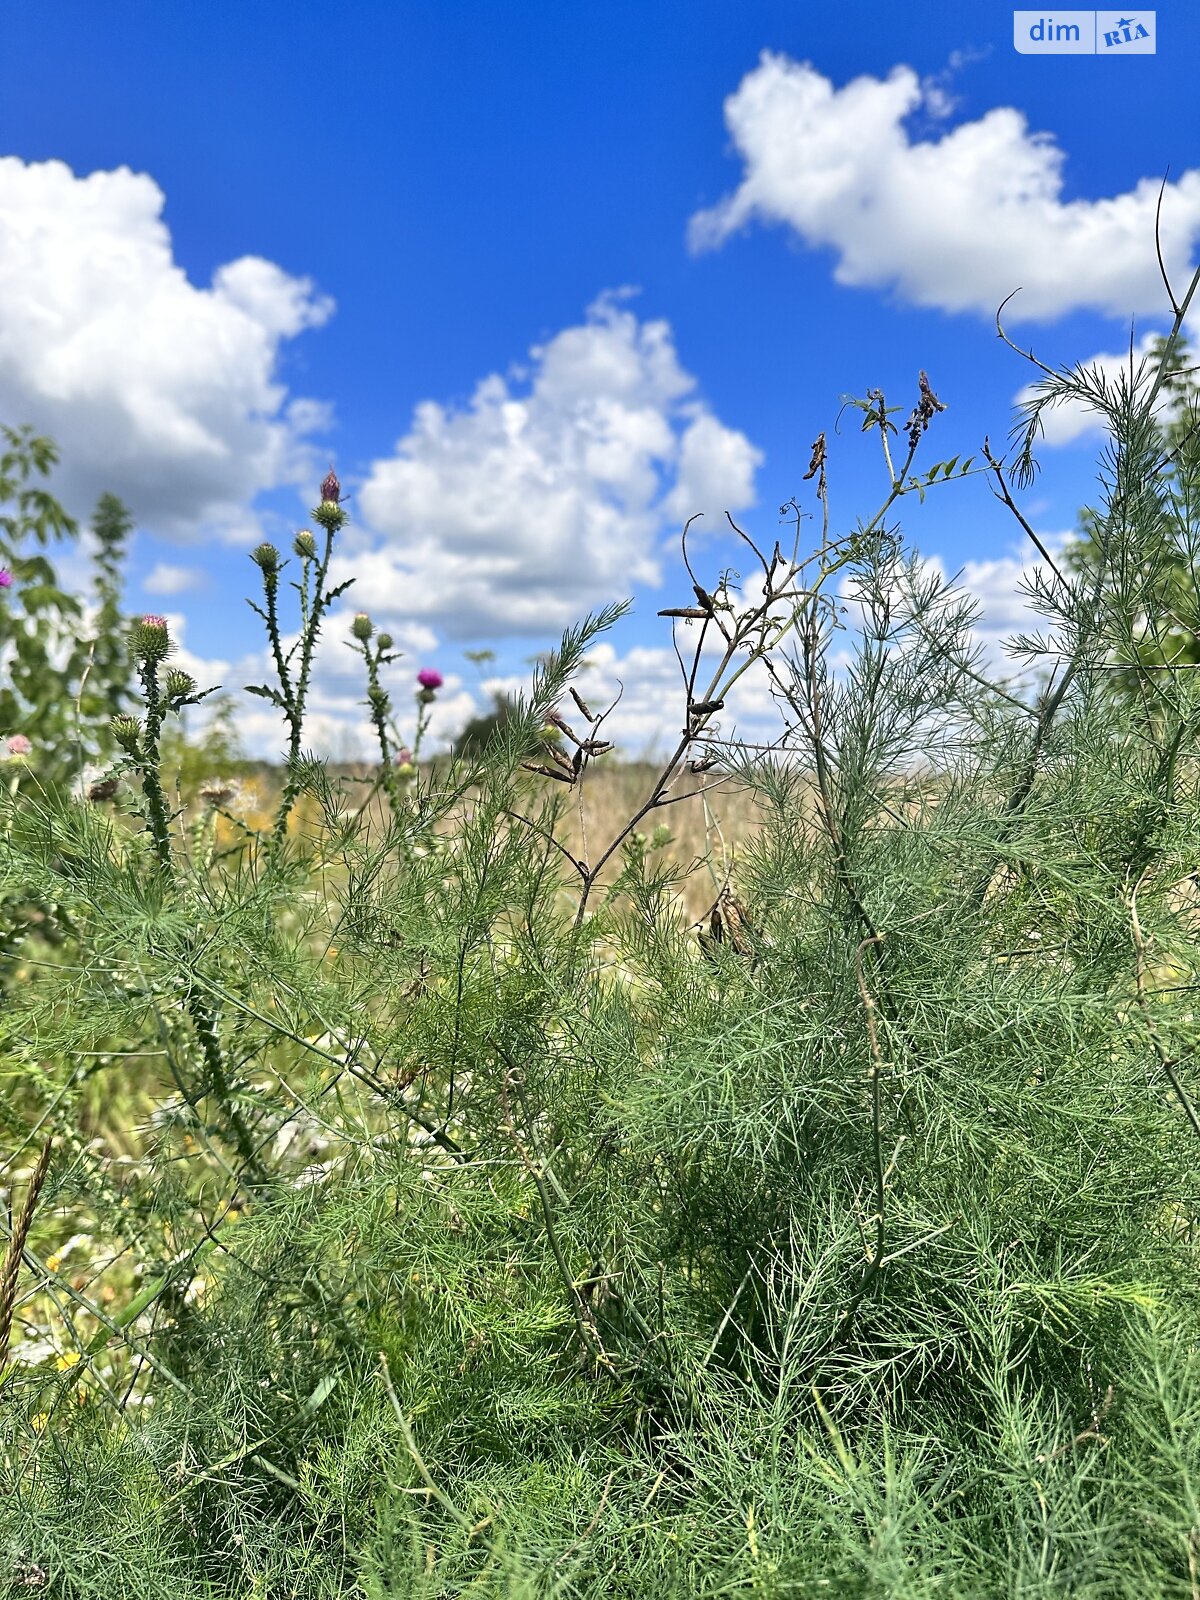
x: 322, y: 1392
x: 264, y: 692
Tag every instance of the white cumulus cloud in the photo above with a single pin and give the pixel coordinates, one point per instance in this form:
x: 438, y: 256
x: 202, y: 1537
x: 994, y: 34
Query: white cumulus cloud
x: 549, y: 492
x: 957, y: 221
x: 155, y: 388
x: 167, y: 579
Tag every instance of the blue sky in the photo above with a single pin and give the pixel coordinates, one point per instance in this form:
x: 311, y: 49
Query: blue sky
x: 408, y: 237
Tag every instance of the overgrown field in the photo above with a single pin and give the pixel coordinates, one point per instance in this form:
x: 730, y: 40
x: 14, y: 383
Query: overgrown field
x: 420, y: 1189
x: 700, y: 835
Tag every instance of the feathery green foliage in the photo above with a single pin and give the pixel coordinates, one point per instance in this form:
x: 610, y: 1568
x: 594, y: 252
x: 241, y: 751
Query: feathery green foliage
x: 471, y: 1228
x: 1164, y: 625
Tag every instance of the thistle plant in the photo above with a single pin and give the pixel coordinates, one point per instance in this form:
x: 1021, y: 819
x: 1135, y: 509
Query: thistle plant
x: 293, y: 666
x: 397, y: 759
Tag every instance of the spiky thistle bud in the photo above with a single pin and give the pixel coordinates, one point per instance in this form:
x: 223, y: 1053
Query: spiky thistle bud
x: 127, y: 731
x: 179, y: 684
x: 267, y: 557
x: 331, y: 489
x: 377, y: 696
x: 149, y: 639
x: 385, y: 641
x: 362, y: 627
x: 305, y: 545
x: 329, y: 515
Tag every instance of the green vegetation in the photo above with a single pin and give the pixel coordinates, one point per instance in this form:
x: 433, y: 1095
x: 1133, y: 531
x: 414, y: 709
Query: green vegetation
x: 1162, y: 630
x: 407, y: 1211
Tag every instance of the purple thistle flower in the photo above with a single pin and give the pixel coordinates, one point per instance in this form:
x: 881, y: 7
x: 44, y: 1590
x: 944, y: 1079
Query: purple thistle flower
x: 430, y: 678
x: 5, y: 578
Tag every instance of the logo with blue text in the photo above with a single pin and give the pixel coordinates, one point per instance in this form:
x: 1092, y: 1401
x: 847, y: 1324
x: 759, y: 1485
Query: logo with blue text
x: 1084, y: 33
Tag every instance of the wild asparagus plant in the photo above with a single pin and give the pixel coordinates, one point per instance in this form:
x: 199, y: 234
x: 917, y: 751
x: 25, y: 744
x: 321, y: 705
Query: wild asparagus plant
x: 854, y: 1255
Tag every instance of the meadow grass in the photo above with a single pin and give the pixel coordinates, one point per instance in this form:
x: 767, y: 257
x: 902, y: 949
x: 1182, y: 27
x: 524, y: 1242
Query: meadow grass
x: 409, y: 1200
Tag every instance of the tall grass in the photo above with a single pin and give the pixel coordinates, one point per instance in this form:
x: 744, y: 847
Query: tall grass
x: 432, y: 1212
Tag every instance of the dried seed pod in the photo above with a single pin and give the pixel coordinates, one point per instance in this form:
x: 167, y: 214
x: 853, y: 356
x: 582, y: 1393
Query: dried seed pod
x: 926, y: 408
x: 558, y: 721
x: 582, y: 704
x: 547, y: 772
x: 729, y: 923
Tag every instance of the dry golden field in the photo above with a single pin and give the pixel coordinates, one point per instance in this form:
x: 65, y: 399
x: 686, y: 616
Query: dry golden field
x: 709, y: 826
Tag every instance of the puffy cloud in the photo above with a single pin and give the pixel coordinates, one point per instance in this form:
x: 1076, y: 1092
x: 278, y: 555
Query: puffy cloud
x: 550, y: 490
x: 715, y: 469
x: 154, y: 388
x: 166, y: 579
x: 957, y: 221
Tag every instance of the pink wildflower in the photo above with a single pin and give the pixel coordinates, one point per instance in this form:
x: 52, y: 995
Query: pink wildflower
x: 19, y: 745
x: 5, y: 578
